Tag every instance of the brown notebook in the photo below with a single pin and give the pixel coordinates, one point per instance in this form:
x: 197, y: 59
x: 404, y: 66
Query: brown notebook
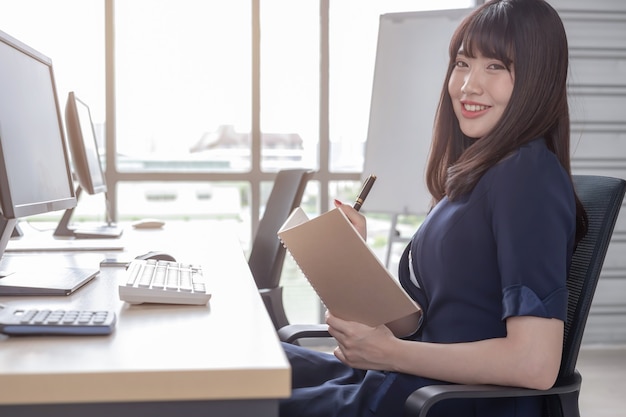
x: 348, y: 277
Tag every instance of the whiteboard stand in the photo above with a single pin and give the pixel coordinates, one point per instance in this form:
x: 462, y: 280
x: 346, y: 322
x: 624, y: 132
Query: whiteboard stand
x: 394, y: 237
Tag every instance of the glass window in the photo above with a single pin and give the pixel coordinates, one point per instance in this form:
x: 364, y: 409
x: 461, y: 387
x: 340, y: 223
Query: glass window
x: 183, y: 85
x: 182, y: 200
x: 290, y: 51
x: 71, y: 33
x: 178, y: 200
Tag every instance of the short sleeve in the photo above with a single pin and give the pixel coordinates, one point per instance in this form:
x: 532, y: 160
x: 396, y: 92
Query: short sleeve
x: 533, y: 220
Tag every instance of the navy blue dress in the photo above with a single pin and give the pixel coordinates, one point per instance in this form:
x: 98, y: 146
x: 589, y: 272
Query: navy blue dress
x: 502, y: 250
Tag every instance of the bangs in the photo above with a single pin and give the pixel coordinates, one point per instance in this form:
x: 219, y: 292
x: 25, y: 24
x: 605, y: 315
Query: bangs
x: 488, y: 34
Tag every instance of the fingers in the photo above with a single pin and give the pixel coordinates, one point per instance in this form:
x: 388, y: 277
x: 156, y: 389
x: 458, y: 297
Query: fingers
x: 356, y: 218
x: 341, y: 330
x: 339, y: 353
x: 336, y: 323
x: 349, y: 210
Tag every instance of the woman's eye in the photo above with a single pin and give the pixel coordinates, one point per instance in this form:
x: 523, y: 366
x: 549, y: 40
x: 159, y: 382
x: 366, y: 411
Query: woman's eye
x: 460, y: 64
x: 496, y: 67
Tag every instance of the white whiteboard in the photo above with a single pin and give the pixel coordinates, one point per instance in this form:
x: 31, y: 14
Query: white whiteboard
x: 411, y: 61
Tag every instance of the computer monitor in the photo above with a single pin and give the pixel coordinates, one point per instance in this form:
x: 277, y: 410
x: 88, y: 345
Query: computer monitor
x: 83, y: 145
x: 35, y: 175
x: 87, y: 170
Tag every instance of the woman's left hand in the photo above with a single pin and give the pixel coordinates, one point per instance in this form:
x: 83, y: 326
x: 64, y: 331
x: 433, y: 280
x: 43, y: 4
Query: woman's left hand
x: 361, y: 346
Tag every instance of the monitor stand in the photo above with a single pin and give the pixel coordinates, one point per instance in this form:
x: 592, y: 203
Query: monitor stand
x: 106, y: 231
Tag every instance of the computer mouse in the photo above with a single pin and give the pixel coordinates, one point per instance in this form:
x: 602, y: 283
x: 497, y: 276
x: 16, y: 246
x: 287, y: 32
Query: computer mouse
x: 156, y: 255
x: 148, y: 224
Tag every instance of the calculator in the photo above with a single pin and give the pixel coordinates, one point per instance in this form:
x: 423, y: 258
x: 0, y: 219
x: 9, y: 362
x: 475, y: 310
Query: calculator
x: 56, y: 322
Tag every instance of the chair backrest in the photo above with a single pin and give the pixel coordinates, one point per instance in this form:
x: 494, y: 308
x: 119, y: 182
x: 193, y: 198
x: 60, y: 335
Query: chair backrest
x: 602, y: 199
x: 268, y: 254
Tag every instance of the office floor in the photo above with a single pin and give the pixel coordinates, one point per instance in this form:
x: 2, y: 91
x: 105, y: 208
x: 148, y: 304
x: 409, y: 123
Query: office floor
x: 603, y: 369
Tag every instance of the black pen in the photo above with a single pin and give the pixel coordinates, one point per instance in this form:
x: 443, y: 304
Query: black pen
x: 367, y: 186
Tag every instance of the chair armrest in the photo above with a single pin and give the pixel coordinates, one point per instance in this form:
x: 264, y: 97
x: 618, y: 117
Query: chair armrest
x: 421, y: 400
x: 293, y: 332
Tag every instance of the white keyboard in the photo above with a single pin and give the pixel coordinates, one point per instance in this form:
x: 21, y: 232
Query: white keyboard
x: 151, y: 281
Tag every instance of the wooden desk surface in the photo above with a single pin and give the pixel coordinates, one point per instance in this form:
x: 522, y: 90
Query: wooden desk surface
x: 225, y: 350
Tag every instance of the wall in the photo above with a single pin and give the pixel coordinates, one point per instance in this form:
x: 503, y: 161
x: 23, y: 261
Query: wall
x: 597, y: 41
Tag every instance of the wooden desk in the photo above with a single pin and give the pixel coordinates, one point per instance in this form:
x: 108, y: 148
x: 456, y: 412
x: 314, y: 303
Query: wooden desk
x: 222, y: 359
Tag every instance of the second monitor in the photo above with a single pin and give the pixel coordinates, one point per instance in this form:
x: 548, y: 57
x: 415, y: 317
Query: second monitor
x: 87, y: 169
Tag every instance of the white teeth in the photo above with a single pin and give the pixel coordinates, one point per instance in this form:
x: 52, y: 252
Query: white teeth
x: 474, y: 107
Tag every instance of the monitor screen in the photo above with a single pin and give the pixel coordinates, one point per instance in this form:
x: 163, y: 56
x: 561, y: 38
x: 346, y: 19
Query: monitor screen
x: 83, y: 144
x: 34, y: 168
x: 35, y: 175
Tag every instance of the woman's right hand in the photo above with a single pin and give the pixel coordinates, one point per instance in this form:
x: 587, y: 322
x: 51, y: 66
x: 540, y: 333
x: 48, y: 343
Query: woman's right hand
x: 357, y: 219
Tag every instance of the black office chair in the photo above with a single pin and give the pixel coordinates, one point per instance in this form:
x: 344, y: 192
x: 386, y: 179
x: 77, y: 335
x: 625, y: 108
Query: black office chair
x: 602, y: 198
x: 268, y: 254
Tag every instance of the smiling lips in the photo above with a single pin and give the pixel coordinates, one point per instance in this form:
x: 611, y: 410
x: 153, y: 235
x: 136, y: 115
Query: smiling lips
x: 471, y: 111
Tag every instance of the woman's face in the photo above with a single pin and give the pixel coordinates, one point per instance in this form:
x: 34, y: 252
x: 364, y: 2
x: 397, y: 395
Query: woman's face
x: 480, y: 89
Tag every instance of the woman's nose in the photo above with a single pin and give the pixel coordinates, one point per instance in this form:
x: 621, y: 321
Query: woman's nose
x: 471, y: 84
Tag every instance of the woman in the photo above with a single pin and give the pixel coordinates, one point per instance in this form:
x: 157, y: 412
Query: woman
x: 489, y: 263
